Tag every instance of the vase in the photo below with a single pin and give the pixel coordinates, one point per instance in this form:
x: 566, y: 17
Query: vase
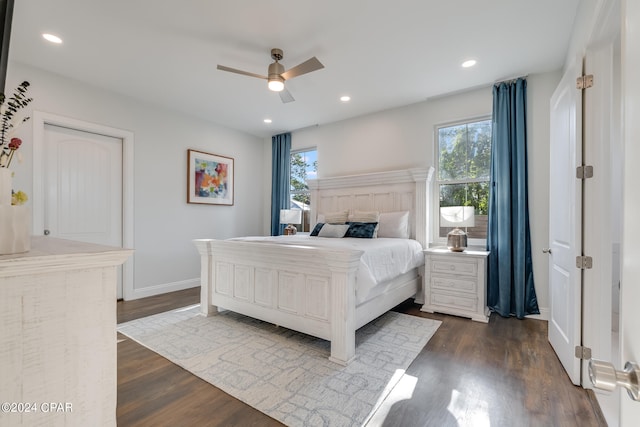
x: 5, y: 186
x: 14, y: 220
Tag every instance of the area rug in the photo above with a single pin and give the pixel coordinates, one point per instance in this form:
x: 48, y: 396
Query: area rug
x: 286, y: 374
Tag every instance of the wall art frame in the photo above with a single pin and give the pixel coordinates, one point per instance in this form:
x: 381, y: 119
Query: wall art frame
x: 209, y: 178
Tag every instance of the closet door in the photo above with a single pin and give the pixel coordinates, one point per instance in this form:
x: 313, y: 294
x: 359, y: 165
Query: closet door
x: 83, y: 187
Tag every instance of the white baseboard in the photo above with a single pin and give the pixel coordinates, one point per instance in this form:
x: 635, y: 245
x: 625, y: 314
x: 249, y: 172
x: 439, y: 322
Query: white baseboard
x: 163, y: 288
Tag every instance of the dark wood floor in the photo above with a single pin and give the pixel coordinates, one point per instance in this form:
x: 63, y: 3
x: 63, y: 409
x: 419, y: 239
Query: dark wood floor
x: 469, y: 374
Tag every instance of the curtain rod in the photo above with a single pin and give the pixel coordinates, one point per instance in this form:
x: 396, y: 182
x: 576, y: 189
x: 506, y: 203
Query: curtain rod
x: 510, y: 79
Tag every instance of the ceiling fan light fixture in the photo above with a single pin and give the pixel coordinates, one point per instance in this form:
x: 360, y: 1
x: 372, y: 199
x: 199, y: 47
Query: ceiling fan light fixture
x: 277, y: 75
x: 276, y: 84
x: 276, y: 81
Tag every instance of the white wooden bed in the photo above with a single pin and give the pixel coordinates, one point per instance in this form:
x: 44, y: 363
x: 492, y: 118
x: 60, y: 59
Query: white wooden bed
x: 309, y: 289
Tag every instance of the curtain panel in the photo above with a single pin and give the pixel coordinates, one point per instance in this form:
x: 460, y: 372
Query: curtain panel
x: 510, y: 285
x: 280, y: 175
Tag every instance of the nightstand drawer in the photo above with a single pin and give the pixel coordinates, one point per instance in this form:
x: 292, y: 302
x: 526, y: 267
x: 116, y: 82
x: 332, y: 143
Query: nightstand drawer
x: 456, y: 302
x: 439, y: 265
x: 449, y: 283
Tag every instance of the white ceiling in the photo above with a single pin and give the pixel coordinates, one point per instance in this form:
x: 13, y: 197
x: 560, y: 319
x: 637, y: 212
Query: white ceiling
x: 384, y: 54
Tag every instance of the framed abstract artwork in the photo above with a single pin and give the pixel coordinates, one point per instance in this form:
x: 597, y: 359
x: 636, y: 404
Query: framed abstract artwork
x: 209, y: 178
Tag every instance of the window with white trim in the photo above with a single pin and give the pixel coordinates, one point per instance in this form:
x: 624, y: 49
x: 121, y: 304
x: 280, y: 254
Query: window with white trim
x: 304, y: 165
x: 462, y: 176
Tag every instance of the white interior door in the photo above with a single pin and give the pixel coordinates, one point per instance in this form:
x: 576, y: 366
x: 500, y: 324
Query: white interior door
x: 630, y: 284
x: 83, y: 187
x: 565, y: 222
x: 601, y: 213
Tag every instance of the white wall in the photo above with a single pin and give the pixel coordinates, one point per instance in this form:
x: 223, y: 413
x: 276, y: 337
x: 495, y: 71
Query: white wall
x: 404, y: 138
x: 164, y: 224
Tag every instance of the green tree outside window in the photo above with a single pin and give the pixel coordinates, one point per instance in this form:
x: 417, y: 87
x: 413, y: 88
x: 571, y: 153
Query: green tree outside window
x: 304, y: 166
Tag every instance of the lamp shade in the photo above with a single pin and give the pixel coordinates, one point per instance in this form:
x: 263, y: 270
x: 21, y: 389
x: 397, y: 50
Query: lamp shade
x: 457, y: 216
x: 290, y: 216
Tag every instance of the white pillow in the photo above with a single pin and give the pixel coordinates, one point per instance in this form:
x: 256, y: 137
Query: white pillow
x: 364, y: 216
x: 394, y: 224
x: 340, y: 217
x: 333, y: 230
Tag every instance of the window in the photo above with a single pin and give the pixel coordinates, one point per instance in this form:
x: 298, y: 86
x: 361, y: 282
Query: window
x: 304, y: 165
x: 462, y: 179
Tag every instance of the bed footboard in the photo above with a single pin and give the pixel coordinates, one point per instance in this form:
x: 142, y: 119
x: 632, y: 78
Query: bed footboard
x: 307, y: 289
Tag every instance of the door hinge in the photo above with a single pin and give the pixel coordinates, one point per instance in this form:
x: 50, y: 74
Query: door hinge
x: 584, y: 262
x: 583, y: 353
x: 584, y: 172
x: 584, y: 82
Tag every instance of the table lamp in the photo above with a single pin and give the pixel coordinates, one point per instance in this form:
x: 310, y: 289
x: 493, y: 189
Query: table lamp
x: 457, y: 216
x: 290, y: 217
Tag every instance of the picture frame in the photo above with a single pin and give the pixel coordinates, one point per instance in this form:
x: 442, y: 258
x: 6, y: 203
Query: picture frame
x: 209, y: 178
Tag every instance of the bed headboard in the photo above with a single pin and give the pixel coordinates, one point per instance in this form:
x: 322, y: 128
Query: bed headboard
x: 390, y: 191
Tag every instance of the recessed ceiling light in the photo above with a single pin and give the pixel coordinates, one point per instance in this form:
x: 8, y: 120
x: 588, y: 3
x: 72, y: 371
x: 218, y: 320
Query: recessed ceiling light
x: 267, y: 120
x: 345, y: 98
x: 52, y: 38
x: 469, y: 63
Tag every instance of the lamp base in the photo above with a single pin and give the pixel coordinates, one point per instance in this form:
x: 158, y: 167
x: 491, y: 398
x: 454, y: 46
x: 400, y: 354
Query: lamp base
x: 290, y: 230
x: 457, y: 240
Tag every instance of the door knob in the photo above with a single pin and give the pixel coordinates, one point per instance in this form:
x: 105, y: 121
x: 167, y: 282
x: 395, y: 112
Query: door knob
x: 46, y: 232
x: 546, y: 251
x: 604, y: 376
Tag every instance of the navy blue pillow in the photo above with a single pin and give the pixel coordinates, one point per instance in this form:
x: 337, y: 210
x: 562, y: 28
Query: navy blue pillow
x: 317, y: 229
x: 362, y: 230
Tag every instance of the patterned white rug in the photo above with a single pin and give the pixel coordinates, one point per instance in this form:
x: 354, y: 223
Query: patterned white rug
x: 285, y: 374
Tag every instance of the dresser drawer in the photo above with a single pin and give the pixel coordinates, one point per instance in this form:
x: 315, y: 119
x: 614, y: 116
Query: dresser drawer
x: 459, y: 267
x: 456, y: 302
x: 457, y: 284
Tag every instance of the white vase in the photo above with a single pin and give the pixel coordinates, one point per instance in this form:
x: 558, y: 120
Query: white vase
x: 5, y: 187
x: 14, y: 220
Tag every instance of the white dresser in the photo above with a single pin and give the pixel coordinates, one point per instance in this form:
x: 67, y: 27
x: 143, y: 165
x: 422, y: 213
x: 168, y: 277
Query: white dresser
x: 58, y: 353
x: 456, y: 283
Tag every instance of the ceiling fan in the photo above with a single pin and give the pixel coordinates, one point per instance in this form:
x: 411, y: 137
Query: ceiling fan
x: 276, y: 74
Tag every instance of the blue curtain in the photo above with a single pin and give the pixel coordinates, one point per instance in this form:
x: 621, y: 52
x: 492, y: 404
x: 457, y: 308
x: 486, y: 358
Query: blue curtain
x: 280, y: 174
x: 510, y: 288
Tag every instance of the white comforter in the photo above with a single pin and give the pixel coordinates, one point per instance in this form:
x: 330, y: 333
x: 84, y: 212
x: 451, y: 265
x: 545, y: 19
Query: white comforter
x: 383, y: 258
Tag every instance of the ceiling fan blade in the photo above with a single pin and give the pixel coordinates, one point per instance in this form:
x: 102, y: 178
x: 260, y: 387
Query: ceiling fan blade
x: 286, y: 96
x: 307, y: 66
x: 245, y: 73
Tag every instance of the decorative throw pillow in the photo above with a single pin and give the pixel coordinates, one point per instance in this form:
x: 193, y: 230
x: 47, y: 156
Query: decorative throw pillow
x: 333, y: 230
x: 394, y: 224
x: 364, y: 216
x: 317, y: 229
x: 362, y: 230
x: 340, y: 217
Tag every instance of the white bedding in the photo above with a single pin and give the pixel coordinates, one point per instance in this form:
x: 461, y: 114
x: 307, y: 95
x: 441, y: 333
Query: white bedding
x: 383, y: 258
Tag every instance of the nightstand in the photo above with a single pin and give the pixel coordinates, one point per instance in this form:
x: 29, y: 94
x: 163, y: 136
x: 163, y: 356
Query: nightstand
x: 456, y: 283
